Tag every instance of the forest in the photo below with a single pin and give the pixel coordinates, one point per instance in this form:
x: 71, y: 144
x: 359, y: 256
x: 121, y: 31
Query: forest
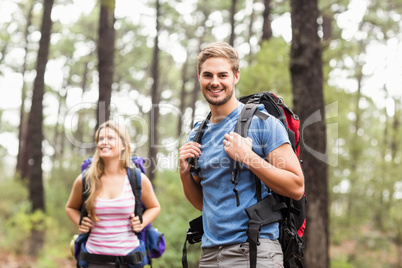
x: 66, y: 66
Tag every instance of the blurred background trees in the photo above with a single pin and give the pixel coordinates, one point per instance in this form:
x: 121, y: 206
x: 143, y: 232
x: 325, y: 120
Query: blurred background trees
x: 67, y: 66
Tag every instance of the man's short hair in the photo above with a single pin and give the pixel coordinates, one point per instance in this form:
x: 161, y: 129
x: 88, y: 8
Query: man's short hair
x: 219, y: 50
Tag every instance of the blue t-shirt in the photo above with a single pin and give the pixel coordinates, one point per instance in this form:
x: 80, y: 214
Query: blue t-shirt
x: 224, y: 222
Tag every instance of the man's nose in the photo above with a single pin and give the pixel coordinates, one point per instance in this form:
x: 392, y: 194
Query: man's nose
x: 215, y: 81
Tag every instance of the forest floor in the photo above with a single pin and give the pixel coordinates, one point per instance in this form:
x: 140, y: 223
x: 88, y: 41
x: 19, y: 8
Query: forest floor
x: 8, y: 260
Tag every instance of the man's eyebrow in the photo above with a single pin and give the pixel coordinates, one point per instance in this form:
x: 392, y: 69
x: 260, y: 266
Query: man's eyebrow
x: 207, y: 72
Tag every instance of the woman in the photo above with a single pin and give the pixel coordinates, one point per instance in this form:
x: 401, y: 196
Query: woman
x: 111, y: 202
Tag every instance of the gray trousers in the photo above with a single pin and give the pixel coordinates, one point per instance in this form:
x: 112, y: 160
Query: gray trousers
x: 269, y: 255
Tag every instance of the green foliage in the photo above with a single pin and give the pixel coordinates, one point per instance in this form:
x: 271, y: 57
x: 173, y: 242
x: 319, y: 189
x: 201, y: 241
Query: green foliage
x: 58, y: 188
x: 18, y: 221
x: 340, y: 263
x: 13, y: 196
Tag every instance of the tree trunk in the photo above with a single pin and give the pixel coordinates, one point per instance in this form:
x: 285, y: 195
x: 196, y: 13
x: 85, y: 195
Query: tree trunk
x: 233, y: 22
x: 22, y: 158
x: 58, y: 140
x: 183, y: 95
x: 396, y: 124
x: 266, y: 26
x: 327, y: 27
x: 307, y: 83
x: 155, y: 95
x: 35, y: 131
x: 194, y: 98
x: 251, y: 33
x: 106, y: 59
x: 79, y: 134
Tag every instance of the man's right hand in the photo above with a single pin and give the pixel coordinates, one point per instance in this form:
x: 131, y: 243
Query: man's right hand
x: 189, y: 150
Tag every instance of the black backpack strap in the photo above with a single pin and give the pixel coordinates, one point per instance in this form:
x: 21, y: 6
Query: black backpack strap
x: 193, y: 161
x: 194, y: 235
x: 260, y: 214
x: 84, y: 197
x: 243, y: 123
x: 241, y: 128
x: 246, y: 114
x: 134, y: 175
x: 254, y: 226
x: 184, y: 262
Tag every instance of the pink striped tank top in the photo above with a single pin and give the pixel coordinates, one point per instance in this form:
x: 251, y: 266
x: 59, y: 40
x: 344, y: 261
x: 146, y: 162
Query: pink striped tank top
x: 113, y: 234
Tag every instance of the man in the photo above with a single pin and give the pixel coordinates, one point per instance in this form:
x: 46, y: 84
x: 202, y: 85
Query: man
x: 265, y: 153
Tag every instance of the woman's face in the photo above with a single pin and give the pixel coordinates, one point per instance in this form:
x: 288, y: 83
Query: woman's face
x: 109, y: 143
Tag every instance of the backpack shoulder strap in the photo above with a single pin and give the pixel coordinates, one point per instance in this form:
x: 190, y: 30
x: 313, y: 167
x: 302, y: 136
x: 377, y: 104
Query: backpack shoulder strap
x: 84, y: 197
x: 201, y: 129
x: 243, y: 123
x: 134, y: 175
x: 197, y: 138
x: 246, y: 115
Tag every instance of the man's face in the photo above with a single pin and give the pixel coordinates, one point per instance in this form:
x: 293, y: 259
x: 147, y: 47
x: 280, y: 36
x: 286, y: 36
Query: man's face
x: 217, y: 80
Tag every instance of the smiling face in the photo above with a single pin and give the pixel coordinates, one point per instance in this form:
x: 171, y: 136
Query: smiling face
x: 218, y: 81
x: 109, y: 143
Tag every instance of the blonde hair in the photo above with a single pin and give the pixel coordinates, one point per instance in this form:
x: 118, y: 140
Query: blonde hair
x: 97, y: 167
x: 219, y: 50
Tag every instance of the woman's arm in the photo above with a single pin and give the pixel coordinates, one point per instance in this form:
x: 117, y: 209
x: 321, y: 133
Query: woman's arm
x: 151, y: 203
x: 73, y: 207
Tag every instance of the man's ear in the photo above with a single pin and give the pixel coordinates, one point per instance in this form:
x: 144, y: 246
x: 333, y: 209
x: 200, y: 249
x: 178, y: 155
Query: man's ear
x: 237, y: 77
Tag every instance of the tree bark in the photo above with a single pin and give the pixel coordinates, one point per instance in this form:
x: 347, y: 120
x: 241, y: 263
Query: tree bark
x: 79, y: 134
x: 35, y: 131
x: 22, y: 158
x: 183, y: 94
x: 266, y: 26
x: 106, y: 59
x: 251, y: 33
x: 155, y: 95
x: 233, y: 22
x: 308, y: 100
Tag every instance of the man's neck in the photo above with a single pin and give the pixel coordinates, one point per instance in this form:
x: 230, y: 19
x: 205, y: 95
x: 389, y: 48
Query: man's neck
x: 221, y: 111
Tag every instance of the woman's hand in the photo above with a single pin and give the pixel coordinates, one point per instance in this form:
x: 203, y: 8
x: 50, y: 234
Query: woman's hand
x: 136, y: 224
x: 86, y: 225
